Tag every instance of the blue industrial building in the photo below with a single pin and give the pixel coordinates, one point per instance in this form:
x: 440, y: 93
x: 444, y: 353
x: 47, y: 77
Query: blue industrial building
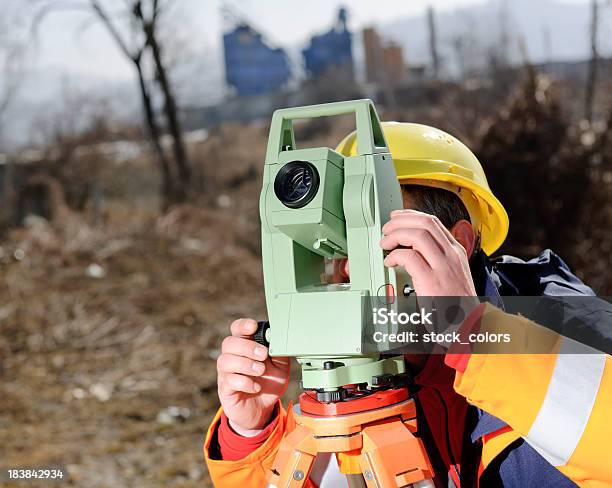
x: 251, y: 66
x: 330, y: 51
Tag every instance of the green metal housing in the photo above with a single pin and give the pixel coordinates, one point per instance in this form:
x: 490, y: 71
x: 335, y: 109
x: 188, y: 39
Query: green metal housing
x: 309, y: 319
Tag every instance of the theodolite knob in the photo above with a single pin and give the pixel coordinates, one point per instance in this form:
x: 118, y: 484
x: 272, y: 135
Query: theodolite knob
x: 260, y: 334
x: 331, y: 396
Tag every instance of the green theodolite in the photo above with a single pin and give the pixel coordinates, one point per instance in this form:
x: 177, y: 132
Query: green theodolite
x: 317, y: 205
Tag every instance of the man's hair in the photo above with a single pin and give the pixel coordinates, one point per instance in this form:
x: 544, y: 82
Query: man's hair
x: 444, y: 204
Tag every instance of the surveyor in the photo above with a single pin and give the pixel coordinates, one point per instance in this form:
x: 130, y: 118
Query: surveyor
x: 514, y: 420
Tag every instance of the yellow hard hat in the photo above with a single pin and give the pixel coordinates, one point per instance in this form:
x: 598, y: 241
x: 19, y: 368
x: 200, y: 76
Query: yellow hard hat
x: 427, y: 156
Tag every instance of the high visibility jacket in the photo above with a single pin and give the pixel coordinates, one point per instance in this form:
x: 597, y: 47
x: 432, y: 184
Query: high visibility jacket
x: 544, y: 419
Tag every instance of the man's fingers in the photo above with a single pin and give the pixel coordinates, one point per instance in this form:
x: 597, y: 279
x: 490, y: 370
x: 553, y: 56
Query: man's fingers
x: 410, y: 259
x: 419, y: 239
x: 230, y: 363
x: 419, y: 220
x: 243, y: 327
x: 233, y: 382
x: 244, y: 347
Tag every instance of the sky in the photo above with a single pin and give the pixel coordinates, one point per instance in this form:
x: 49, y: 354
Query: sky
x: 64, y: 44
x: 71, y: 53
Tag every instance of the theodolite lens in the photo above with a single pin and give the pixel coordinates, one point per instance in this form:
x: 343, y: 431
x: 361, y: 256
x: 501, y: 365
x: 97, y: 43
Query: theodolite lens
x: 296, y: 184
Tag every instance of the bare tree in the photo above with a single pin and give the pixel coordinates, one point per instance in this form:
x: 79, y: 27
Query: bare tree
x: 12, y: 51
x: 592, y: 75
x: 135, y: 29
x: 433, y: 43
x: 468, y: 49
x: 504, y: 40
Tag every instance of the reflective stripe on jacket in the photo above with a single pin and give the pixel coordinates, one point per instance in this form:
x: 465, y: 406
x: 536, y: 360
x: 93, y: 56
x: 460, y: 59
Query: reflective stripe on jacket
x: 560, y: 411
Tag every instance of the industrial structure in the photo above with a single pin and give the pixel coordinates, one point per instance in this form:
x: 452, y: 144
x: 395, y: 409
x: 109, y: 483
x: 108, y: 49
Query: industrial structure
x: 384, y: 60
x: 254, y: 68
x: 261, y: 78
x: 251, y: 66
x: 331, y: 51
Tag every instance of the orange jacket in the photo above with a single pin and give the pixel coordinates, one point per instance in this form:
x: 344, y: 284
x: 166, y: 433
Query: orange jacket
x: 559, y: 403
x: 253, y: 469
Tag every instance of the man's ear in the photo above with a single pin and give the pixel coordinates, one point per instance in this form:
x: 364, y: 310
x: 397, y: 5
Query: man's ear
x: 465, y: 235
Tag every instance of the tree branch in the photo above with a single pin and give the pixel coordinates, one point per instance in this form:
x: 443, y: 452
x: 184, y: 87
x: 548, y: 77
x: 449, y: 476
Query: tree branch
x: 112, y: 29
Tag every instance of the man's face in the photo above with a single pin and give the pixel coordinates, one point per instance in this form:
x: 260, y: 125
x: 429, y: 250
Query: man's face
x: 462, y: 231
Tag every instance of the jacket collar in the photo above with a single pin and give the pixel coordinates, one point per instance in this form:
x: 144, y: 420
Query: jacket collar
x: 487, y: 283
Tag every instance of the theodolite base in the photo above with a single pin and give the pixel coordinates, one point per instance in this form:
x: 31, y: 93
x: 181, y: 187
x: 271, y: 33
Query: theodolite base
x: 377, y: 444
x: 333, y: 373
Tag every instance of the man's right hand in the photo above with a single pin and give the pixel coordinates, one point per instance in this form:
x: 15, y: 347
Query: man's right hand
x: 249, y: 382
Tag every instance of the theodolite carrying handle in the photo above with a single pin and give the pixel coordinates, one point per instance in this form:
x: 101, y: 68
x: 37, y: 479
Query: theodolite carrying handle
x: 370, y: 137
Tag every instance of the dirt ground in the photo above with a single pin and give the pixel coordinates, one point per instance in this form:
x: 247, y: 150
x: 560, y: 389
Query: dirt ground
x: 101, y: 343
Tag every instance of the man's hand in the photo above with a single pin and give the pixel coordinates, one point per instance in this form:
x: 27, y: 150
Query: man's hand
x: 249, y: 381
x: 437, y: 263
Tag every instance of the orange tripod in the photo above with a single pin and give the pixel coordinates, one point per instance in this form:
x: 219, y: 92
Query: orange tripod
x: 372, y: 437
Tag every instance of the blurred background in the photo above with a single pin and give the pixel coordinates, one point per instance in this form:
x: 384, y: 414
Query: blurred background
x: 132, y: 138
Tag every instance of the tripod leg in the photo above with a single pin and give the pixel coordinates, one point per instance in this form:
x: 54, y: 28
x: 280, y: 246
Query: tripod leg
x: 294, y: 459
x: 356, y: 481
x: 392, y: 457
